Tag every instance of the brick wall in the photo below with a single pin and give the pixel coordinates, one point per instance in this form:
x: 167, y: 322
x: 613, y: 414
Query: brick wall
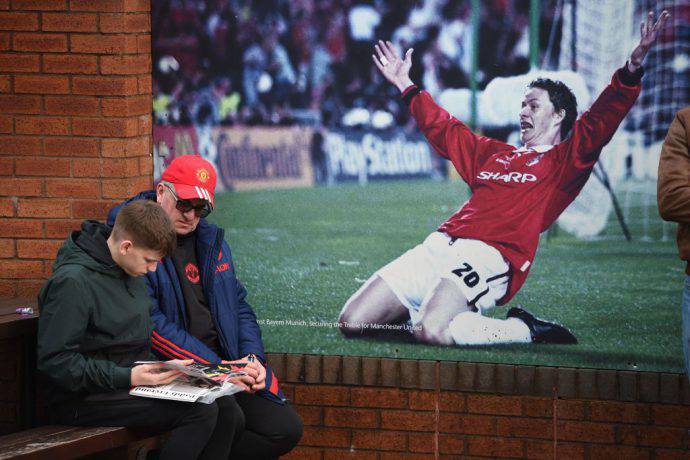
x: 75, y: 137
x: 75, y: 123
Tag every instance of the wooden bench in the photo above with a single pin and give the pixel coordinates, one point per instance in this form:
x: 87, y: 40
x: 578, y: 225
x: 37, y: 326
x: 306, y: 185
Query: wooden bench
x: 66, y: 442
x: 20, y: 398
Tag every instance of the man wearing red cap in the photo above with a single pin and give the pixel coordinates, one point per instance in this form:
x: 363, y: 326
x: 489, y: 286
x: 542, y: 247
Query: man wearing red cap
x: 200, y: 312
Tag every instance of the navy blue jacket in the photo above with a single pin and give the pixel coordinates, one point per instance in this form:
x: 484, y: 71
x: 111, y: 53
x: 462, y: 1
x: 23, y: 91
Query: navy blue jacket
x: 235, y: 321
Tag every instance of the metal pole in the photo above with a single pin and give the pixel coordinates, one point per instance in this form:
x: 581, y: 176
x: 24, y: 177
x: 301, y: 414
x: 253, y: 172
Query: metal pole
x: 475, y: 63
x: 534, y: 13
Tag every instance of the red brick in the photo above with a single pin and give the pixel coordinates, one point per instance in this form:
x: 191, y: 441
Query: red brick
x: 6, y: 124
x: 21, y: 228
x: 41, y: 84
x: 126, y: 106
x: 69, y: 63
x: 517, y: 427
x: 325, y: 437
x: 537, y: 407
x: 39, y: 42
x: 570, y: 410
x: 448, y: 444
x: 466, y: 424
x: 401, y: 455
x: 54, y: 167
x: 6, y: 166
x: 407, y: 420
x: 113, y: 23
x: 70, y: 22
x: 41, y: 5
x: 544, y: 450
x: 495, y: 447
x: 6, y: 248
x: 73, y: 188
x: 134, y: 147
x: 90, y: 167
x: 379, y: 440
x: 586, y: 432
x: 7, y: 207
x: 310, y: 415
x: 452, y: 402
x: 120, y: 188
x: 379, y: 397
x: 322, y: 396
x: 19, y: 62
x: 71, y: 146
x: 101, y: 86
x: 501, y: 405
x: 8, y: 289
x: 353, y: 418
x: 339, y: 454
x: 671, y: 415
x: 21, y: 187
x: 18, y: 21
x: 660, y: 437
x: 422, y: 400
x: 4, y: 41
x: 422, y: 442
x: 38, y: 249
x: 4, y: 4
x: 23, y: 269
x: 29, y: 289
x: 145, y: 126
x: 115, y: 127
x: 611, y: 411
x: 103, y: 44
x: 145, y: 84
x: 43, y: 207
x: 19, y: 104
x: 5, y: 83
x: 72, y: 105
x: 61, y: 228
x: 47, y: 268
x: 98, y: 5
x: 132, y: 6
x: 20, y: 145
x: 51, y: 126
x: 669, y: 454
x: 307, y: 453
x: 611, y: 452
x: 126, y: 65
x: 91, y: 209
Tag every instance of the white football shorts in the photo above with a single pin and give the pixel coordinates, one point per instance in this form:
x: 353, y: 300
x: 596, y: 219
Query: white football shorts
x: 479, y: 270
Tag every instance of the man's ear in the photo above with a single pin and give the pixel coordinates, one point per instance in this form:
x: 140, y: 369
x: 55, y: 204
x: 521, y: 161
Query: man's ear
x: 160, y: 190
x: 559, y: 115
x: 125, y: 246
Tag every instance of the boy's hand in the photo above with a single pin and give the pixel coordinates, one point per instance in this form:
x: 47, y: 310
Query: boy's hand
x: 151, y: 374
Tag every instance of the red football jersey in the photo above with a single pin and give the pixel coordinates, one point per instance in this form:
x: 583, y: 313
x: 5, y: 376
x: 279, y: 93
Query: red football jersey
x: 519, y: 193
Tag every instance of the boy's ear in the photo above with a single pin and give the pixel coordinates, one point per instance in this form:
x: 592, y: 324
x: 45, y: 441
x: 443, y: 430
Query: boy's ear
x: 125, y: 246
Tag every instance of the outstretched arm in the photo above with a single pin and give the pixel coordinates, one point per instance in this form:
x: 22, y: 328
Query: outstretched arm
x: 649, y: 31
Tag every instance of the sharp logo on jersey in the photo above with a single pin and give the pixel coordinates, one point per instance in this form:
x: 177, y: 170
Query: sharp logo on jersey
x: 517, y: 177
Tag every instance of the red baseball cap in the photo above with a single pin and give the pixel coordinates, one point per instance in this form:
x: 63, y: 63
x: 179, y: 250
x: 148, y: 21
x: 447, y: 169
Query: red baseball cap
x: 192, y: 176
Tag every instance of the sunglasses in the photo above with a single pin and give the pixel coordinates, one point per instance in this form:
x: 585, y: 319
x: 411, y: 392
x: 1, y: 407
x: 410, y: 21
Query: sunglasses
x: 200, y: 210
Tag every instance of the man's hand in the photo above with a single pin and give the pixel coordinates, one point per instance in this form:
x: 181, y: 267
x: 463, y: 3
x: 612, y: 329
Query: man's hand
x: 152, y: 374
x: 255, y: 371
x: 648, y: 34
x: 395, y: 69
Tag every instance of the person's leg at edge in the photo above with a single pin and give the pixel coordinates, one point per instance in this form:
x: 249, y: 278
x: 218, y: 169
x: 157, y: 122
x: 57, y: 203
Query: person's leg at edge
x: 271, y: 429
x: 686, y: 324
x: 229, y: 427
x: 190, y: 425
x: 374, y: 302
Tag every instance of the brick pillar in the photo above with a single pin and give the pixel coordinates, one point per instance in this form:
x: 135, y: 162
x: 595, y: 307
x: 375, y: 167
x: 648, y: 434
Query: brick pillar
x: 75, y: 124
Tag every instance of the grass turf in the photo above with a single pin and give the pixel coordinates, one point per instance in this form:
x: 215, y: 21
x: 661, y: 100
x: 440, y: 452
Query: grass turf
x: 303, y: 252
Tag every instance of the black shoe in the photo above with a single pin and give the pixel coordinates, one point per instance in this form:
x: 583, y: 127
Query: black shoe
x: 543, y: 331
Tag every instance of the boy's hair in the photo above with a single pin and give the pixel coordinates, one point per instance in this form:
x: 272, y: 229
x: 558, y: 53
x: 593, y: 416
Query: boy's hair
x: 562, y: 98
x: 147, y: 225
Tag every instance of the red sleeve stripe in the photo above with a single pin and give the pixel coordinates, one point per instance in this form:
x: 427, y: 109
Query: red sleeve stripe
x: 166, y: 351
x: 274, y: 384
x: 158, y: 338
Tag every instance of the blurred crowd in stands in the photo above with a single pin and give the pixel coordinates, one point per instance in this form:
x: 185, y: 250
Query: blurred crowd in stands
x: 225, y: 62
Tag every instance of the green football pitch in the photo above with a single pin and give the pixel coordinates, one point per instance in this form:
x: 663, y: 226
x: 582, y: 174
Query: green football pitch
x: 303, y: 252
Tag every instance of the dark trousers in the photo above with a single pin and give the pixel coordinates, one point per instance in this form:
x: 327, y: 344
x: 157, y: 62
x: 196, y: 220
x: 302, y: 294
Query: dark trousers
x: 240, y: 426
x: 204, y: 431
x: 270, y: 429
